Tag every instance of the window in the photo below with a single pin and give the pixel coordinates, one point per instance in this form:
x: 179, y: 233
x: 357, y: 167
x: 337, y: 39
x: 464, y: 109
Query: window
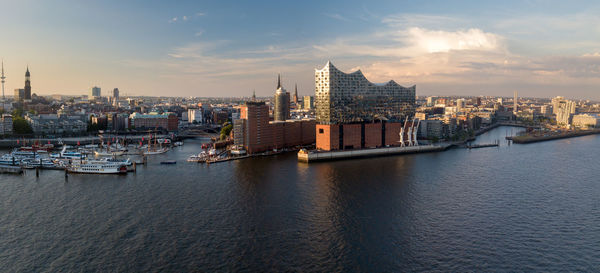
x: 321, y: 130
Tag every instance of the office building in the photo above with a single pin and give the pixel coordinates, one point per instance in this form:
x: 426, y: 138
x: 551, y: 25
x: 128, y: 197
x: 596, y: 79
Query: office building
x: 309, y: 102
x: 166, y: 121
x: 460, y: 105
x: 256, y: 133
x: 95, y: 92
x: 586, y: 121
x: 19, y: 94
x: 194, y: 115
x: 281, y: 112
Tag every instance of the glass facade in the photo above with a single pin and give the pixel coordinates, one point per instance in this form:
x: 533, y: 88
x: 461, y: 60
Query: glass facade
x: 351, y: 98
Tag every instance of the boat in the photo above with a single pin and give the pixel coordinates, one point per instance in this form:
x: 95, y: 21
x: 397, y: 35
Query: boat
x: 96, y: 167
x: 168, y: 162
x: 201, y: 157
x: 9, y: 160
x: 109, y: 153
x: 156, y: 151
x: 125, y: 162
x: 178, y: 143
x: 40, y: 162
x: 65, y: 154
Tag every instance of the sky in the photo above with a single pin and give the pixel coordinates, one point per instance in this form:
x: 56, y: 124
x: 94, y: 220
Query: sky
x: 230, y: 48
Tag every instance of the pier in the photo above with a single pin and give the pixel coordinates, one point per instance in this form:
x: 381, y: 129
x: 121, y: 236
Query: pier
x: 312, y: 156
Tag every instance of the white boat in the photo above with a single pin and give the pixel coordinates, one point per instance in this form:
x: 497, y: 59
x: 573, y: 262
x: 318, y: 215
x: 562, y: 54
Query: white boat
x: 178, y: 143
x: 40, y: 162
x: 125, y: 162
x: 9, y: 160
x: 156, y: 151
x: 201, y: 157
x: 109, y: 153
x: 97, y: 167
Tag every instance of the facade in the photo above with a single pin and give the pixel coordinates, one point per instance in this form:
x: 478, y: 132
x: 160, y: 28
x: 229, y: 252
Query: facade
x: 348, y: 98
x: 19, y: 94
x: 6, y: 125
x: 117, y: 122
x: 586, y: 121
x: 309, y: 102
x: 256, y: 133
x: 115, y: 97
x: 331, y: 137
x: 95, y: 92
x: 194, y: 115
x: 282, y: 102
x: 564, y: 110
x: 166, y: 121
x: 52, y: 124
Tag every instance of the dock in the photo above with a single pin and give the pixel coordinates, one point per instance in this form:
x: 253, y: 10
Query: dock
x: 11, y: 169
x: 313, y: 156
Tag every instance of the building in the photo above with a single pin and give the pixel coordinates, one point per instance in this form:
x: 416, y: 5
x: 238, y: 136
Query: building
x: 95, y: 92
x: 430, y: 101
x: 117, y: 122
x: 281, y: 111
x: 19, y: 94
x: 295, y: 94
x: 586, y: 121
x: 546, y: 110
x: 167, y: 121
x: 27, y: 89
x: 564, y: 110
x: 115, y: 97
x: 515, y: 103
x: 194, y: 115
x: 347, y: 98
x: 460, y: 105
x: 353, y: 113
x: 6, y: 125
x: 309, y: 102
x: 53, y: 124
x: 256, y: 133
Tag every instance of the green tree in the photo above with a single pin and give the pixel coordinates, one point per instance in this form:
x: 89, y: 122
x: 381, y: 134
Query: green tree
x: 226, y: 130
x: 21, y: 126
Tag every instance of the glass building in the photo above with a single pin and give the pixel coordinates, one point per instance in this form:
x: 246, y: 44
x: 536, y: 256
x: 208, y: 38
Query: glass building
x: 350, y: 98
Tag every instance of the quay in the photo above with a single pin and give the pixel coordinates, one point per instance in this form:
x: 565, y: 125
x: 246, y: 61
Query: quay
x: 526, y: 139
x: 11, y: 169
x: 312, y: 156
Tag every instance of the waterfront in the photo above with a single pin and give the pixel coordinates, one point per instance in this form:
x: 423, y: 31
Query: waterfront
x: 512, y: 208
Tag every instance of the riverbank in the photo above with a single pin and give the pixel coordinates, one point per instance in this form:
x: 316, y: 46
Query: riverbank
x: 525, y: 139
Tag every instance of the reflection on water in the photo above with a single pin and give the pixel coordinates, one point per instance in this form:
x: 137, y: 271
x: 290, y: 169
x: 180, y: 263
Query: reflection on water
x: 504, y: 209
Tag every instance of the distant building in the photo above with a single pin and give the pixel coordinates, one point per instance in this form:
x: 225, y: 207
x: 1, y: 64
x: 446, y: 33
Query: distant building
x: 53, y: 124
x: 256, y: 133
x: 586, y: 121
x: 564, y: 110
x: 115, y: 97
x: 220, y: 117
x: 309, y: 102
x: 166, y: 121
x: 95, y: 92
x: 460, y: 105
x: 546, y: 110
x: 430, y: 101
x: 19, y: 94
x: 6, y: 125
x: 27, y: 89
x: 194, y: 115
x: 281, y: 110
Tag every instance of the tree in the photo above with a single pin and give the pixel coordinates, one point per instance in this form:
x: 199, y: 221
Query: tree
x: 226, y: 130
x: 21, y: 126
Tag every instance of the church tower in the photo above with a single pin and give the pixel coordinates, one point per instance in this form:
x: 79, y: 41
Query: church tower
x: 27, y: 93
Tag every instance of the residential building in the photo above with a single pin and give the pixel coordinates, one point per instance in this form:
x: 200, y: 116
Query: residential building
x: 309, y: 102
x: 167, y: 121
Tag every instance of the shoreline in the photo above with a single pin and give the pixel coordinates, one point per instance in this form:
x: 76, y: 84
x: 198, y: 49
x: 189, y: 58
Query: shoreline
x: 534, y: 139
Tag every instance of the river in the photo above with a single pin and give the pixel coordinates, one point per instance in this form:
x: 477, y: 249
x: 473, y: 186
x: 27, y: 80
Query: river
x: 532, y: 207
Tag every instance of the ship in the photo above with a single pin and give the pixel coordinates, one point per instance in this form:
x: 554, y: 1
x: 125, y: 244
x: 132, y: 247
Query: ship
x: 96, y: 167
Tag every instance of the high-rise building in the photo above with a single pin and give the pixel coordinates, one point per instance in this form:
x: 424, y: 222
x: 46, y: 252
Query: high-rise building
x: 348, y: 98
x: 282, y: 102
x: 515, y: 103
x: 430, y: 101
x: 296, y: 94
x: 95, y: 92
x: 27, y: 89
x: 19, y: 94
x: 460, y: 105
x: 564, y: 110
x: 115, y: 94
x: 309, y: 102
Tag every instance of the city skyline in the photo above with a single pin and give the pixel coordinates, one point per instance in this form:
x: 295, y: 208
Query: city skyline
x: 540, y: 49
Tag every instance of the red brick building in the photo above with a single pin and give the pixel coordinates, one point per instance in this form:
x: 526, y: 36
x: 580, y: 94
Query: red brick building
x: 256, y: 133
x: 166, y: 121
x: 361, y: 135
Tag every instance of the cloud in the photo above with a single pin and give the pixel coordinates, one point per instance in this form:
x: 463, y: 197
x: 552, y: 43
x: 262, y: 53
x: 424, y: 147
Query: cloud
x: 199, y: 33
x: 173, y: 20
x: 337, y: 16
x: 185, y: 18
